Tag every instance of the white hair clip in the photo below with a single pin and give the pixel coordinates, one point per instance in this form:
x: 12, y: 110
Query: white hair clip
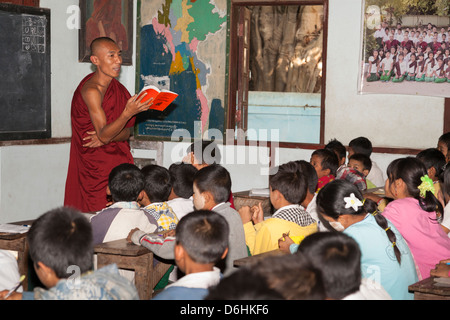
x: 353, y: 202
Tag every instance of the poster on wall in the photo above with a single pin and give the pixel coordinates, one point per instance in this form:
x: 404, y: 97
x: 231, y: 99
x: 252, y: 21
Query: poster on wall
x: 405, y: 48
x: 106, y: 18
x: 181, y: 50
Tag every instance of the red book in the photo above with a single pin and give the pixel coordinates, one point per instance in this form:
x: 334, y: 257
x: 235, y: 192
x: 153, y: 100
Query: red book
x: 161, y: 98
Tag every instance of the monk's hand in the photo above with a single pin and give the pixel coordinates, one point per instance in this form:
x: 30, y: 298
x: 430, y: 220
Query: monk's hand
x: 92, y: 140
x: 135, y: 105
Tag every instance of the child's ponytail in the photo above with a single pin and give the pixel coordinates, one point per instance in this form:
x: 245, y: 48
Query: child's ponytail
x: 370, y: 206
x: 414, y: 174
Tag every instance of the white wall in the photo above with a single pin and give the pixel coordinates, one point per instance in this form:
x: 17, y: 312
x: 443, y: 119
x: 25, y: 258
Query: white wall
x: 32, y: 177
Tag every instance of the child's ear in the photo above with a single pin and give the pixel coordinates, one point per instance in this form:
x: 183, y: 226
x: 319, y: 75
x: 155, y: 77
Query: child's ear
x: 224, y: 253
x: 208, y: 197
x: 108, y: 191
x: 431, y: 172
x: 327, y: 171
x: 366, y: 172
x: 141, y: 195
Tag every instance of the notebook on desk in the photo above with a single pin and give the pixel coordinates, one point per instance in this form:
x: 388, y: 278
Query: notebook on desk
x: 13, y: 228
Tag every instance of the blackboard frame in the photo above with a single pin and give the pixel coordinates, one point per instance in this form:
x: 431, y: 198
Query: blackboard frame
x: 39, y: 133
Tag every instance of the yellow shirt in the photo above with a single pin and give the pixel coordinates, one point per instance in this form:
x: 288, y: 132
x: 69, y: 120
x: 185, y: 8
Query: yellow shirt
x: 263, y: 236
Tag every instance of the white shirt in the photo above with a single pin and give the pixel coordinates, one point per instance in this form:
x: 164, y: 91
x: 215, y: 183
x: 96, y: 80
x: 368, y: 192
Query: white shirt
x: 199, y: 280
x: 376, y: 175
x: 387, y: 62
x: 369, y: 290
x: 181, y: 206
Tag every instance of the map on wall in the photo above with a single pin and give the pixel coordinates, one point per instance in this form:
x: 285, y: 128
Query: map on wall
x: 182, y: 48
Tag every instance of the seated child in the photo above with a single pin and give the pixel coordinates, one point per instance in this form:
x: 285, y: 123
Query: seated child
x: 126, y: 184
x: 444, y: 145
x: 326, y: 163
x: 362, y: 164
x: 338, y: 257
x: 61, y: 247
x: 445, y: 190
x: 292, y: 276
x: 182, y: 179
x: 157, y: 188
x: 201, y: 242
x: 345, y: 172
x: 434, y: 162
x: 243, y: 284
x: 364, y: 146
x: 287, y: 190
x: 212, y: 187
x: 204, y: 153
x: 309, y: 203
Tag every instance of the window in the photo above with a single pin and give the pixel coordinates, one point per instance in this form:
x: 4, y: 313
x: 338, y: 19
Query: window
x: 277, y: 58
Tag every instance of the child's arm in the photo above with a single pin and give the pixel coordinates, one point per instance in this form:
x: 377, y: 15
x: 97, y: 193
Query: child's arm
x: 159, y: 245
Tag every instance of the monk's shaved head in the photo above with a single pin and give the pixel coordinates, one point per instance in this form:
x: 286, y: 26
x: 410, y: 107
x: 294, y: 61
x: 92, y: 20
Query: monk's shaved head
x: 97, y: 43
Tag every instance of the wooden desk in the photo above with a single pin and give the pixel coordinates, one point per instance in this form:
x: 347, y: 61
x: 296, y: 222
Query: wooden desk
x: 148, y: 271
x: 428, y: 290
x: 252, y: 259
x: 244, y: 198
x: 18, y: 242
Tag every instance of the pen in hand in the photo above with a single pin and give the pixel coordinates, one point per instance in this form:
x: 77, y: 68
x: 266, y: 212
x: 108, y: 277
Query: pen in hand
x: 15, y: 288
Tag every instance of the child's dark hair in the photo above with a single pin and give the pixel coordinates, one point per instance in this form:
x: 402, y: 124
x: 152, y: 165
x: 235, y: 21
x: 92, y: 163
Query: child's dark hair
x: 337, y: 147
x: 205, y: 151
x: 243, y: 284
x: 364, y: 159
x: 182, y: 179
x: 445, y: 138
x: 330, y: 202
x: 216, y: 180
x: 157, y: 182
x: 291, y: 275
x: 329, y: 159
x: 411, y: 170
x: 204, y: 236
x: 60, y: 238
x: 432, y: 158
x: 310, y: 174
x: 445, y: 183
x: 290, y: 182
x: 338, y: 256
x: 361, y: 145
x: 125, y: 182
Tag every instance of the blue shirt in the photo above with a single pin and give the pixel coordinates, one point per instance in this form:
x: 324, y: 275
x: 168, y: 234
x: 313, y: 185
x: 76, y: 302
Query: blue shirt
x: 378, y: 261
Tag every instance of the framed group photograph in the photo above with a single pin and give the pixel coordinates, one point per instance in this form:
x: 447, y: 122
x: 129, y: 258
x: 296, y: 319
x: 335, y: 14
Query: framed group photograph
x: 106, y: 18
x: 405, y: 48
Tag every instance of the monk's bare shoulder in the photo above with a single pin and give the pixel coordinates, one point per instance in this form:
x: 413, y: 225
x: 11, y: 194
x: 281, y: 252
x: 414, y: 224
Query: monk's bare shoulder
x: 92, y: 93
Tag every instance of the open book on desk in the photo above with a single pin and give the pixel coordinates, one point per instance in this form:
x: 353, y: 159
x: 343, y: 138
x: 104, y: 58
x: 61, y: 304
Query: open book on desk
x: 261, y: 192
x: 161, y: 98
x: 13, y: 228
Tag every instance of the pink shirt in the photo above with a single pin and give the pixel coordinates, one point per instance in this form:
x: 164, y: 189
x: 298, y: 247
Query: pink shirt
x: 425, y: 237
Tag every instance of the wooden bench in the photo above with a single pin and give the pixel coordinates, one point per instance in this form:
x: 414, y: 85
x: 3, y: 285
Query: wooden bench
x: 148, y: 270
x: 428, y: 289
